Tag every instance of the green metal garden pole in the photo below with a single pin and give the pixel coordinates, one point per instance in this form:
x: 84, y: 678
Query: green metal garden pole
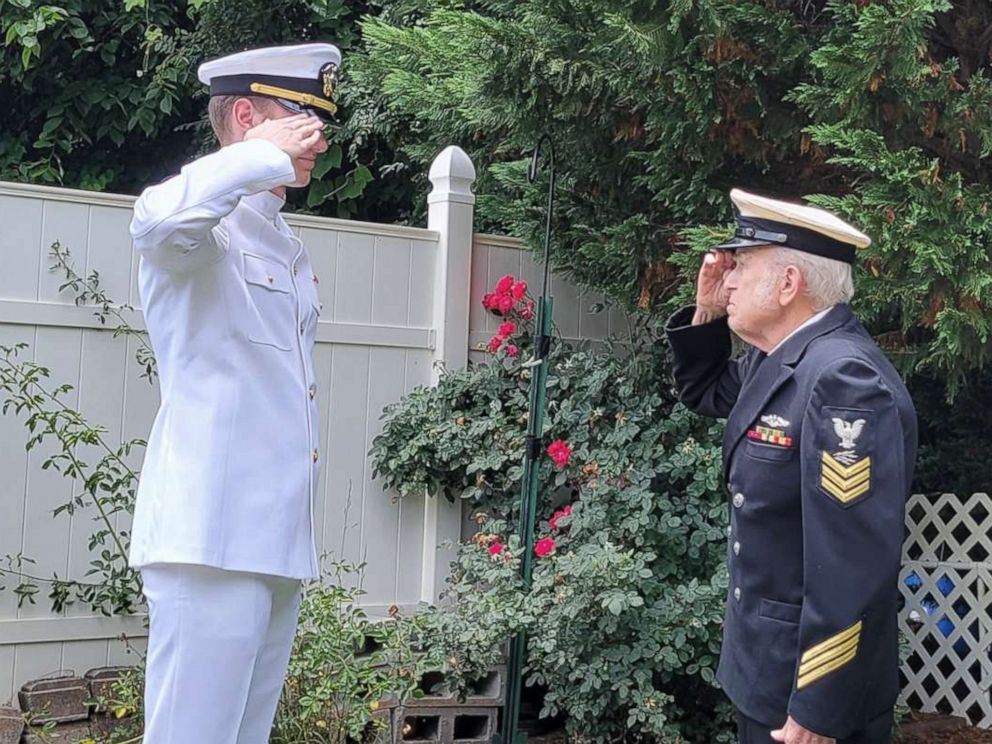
x: 510, y: 733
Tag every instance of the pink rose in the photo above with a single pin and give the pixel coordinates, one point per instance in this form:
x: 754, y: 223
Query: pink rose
x: 545, y: 546
x: 505, y: 304
x: 519, y: 290
x: 507, y: 329
x: 560, y: 452
x: 496, y: 549
x: 504, y: 285
x: 494, y: 343
x: 511, y: 350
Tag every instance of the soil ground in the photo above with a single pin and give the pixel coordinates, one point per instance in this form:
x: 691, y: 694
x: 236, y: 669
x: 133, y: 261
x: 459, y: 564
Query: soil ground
x: 933, y: 728
x: 919, y: 728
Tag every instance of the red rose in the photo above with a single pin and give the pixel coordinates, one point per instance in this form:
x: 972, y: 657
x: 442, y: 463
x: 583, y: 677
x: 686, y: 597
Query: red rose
x: 519, y: 290
x: 560, y: 452
x: 494, y: 343
x: 504, y: 285
x: 511, y: 350
x: 544, y: 546
x: 507, y: 329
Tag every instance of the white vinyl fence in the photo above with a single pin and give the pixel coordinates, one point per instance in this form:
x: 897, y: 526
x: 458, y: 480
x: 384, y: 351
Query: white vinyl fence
x: 946, y: 582
x: 400, y: 304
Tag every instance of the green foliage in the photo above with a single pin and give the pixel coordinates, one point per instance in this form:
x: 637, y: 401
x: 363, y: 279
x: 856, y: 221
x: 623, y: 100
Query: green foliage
x: 912, y: 126
x: 880, y: 110
x: 955, y: 444
x: 124, y: 705
x: 80, y: 93
x: 624, y: 616
x: 343, y: 665
x: 461, y: 439
x: 103, y: 95
x: 107, y: 488
x: 79, y: 450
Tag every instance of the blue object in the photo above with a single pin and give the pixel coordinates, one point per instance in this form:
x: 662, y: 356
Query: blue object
x: 945, y: 585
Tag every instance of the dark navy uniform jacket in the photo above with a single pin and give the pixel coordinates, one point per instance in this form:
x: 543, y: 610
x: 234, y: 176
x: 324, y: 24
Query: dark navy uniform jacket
x: 818, y: 455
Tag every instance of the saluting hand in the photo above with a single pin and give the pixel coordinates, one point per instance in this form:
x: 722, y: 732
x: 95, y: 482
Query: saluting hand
x: 294, y: 135
x: 793, y: 733
x: 711, y: 296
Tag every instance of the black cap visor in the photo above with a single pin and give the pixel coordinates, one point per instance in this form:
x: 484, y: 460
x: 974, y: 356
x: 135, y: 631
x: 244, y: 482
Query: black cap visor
x: 752, y: 232
x: 736, y: 244
x: 298, y: 108
x: 296, y: 94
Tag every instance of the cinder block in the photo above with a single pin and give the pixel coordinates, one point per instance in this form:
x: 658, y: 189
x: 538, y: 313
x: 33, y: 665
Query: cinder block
x: 389, y: 702
x: 105, y: 725
x: 59, y: 699
x: 11, y: 725
x: 435, y: 690
x: 487, y: 691
x: 380, y: 729
x: 445, y: 725
x: 66, y: 733
x: 472, y: 725
x: 101, y: 681
x: 414, y: 725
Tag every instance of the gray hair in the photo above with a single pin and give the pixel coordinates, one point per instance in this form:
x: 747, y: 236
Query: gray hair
x: 828, y: 282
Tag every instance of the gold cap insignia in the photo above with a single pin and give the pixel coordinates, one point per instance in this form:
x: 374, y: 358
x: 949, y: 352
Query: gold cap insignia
x: 329, y: 77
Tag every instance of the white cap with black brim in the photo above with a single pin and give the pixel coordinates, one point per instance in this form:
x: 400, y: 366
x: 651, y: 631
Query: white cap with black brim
x: 302, y: 77
x: 763, y: 221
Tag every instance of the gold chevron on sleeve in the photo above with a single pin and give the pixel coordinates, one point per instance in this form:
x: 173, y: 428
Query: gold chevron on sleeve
x: 829, y: 655
x: 845, y: 483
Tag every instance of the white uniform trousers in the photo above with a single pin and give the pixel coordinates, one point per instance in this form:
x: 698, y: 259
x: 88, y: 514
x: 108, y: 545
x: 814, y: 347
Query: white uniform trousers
x: 218, y: 647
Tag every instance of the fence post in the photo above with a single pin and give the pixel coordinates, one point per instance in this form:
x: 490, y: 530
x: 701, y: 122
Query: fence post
x: 450, y: 208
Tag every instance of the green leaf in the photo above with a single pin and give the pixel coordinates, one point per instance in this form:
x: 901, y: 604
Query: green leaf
x: 318, y: 192
x: 331, y: 158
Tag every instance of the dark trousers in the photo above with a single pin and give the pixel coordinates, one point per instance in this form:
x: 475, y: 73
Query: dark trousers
x: 878, y: 731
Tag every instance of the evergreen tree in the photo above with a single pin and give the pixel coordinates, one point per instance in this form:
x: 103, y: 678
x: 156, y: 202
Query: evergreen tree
x: 103, y: 94
x: 879, y: 110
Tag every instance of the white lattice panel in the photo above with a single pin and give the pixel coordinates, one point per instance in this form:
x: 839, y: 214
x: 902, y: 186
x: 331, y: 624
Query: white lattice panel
x: 946, y: 581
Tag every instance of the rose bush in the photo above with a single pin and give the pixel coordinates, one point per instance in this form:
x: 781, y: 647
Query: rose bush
x: 624, y: 616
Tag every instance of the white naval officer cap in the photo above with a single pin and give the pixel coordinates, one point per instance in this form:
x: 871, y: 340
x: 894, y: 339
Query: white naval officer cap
x: 764, y: 221
x: 301, y: 77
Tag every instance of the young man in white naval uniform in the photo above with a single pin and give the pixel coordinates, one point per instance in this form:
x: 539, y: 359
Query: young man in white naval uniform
x: 223, y: 529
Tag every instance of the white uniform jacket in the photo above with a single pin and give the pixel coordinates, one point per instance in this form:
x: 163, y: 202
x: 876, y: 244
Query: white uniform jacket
x: 230, y: 303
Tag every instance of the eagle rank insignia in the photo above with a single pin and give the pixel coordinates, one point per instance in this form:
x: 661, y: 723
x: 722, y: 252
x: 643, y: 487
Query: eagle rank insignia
x: 845, y: 462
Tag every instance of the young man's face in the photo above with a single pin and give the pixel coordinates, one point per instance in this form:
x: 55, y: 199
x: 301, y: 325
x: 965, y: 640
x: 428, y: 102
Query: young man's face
x: 304, y: 164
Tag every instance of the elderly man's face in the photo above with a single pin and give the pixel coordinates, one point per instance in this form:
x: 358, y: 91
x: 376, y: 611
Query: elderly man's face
x: 752, y: 287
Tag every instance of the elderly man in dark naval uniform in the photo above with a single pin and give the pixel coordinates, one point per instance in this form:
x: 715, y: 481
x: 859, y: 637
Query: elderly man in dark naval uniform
x: 818, y: 455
